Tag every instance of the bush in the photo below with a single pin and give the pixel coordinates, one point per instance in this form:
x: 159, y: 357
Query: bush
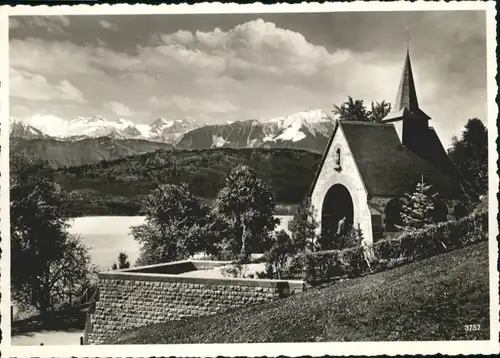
x: 321, y: 266
x: 280, y: 253
x: 330, y: 240
x: 435, y: 239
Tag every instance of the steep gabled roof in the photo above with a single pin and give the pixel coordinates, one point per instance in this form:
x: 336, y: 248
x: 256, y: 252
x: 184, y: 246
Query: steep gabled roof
x: 406, y: 104
x: 387, y: 167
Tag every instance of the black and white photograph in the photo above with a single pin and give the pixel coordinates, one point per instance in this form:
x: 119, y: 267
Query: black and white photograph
x: 184, y: 178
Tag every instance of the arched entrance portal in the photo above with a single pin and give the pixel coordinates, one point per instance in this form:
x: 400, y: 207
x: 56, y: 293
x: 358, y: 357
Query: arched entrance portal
x: 337, y: 204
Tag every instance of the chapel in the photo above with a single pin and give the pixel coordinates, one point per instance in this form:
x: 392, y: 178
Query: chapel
x: 367, y: 168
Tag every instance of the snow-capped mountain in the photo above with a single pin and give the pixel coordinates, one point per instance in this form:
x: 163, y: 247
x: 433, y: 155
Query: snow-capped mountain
x: 78, y: 128
x: 171, y: 131
x: 19, y: 129
x: 307, y: 130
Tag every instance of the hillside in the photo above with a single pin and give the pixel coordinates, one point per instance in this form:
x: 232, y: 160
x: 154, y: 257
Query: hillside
x: 429, y: 300
x: 84, y: 151
x: 117, y: 187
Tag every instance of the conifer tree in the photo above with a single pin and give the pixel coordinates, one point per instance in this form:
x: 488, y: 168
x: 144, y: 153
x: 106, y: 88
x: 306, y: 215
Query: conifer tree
x: 123, y: 262
x: 303, y: 226
x: 418, y: 212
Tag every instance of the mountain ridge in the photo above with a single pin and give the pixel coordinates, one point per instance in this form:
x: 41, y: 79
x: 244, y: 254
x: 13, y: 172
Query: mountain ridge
x: 88, y: 140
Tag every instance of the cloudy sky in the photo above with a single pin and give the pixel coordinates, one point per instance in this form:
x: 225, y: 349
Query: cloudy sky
x: 233, y: 67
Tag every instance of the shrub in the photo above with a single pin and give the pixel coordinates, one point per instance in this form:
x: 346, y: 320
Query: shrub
x: 268, y: 271
x: 434, y: 239
x: 320, y: 266
x: 236, y: 269
x: 280, y: 253
x: 330, y: 240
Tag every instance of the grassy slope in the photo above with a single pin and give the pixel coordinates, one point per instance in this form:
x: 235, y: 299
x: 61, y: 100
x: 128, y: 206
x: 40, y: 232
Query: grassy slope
x: 428, y: 300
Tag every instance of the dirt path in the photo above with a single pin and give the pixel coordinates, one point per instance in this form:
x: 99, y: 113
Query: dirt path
x: 48, y: 338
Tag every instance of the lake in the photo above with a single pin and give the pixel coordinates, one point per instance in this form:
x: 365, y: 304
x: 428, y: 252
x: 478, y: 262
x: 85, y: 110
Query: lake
x: 107, y: 236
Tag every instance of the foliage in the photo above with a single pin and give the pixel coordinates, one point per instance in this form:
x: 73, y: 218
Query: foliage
x: 246, y: 206
x: 330, y: 240
x: 418, y: 212
x: 434, y: 239
x: 409, y: 246
x: 174, y: 228
x: 322, y: 266
x: 123, y: 262
x: 351, y: 110
x: 379, y: 111
x: 469, y: 155
x: 303, y: 226
x: 280, y: 253
x: 355, y: 110
x: 268, y: 272
x: 119, y: 187
x: 59, y: 265
x: 236, y: 269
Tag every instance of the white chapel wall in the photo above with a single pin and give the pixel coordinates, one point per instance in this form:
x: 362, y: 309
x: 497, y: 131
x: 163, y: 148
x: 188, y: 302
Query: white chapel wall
x: 349, y: 177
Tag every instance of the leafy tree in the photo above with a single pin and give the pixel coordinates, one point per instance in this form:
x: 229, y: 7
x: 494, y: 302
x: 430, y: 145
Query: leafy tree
x: 303, y: 226
x: 48, y: 265
x: 280, y: 252
x: 352, y: 110
x: 419, y: 211
x: 246, y: 206
x: 123, y: 262
x: 469, y: 154
x: 174, y: 226
x: 378, y: 111
x: 73, y: 273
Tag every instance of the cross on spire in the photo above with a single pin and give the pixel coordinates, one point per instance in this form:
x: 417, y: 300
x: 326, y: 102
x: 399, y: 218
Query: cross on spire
x: 407, y: 29
x: 406, y: 104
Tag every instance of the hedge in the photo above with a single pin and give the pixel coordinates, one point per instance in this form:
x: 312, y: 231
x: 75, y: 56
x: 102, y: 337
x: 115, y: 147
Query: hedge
x: 322, y: 266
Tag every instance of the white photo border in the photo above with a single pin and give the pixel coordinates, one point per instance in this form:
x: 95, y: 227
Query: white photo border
x: 267, y: 349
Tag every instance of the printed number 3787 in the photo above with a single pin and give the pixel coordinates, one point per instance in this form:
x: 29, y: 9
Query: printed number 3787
x: 472, y: 327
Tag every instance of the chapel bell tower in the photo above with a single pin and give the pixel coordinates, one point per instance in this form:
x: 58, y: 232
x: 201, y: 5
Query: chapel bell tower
x: 412, y: 124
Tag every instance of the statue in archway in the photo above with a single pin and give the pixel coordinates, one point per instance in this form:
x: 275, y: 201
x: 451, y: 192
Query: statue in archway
x: 341, y: 226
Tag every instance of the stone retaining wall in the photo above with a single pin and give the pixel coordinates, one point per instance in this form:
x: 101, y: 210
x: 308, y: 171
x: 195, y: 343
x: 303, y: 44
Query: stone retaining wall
x: 134, y: 297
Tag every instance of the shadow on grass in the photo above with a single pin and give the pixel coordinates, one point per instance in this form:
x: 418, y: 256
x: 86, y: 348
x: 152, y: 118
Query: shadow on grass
x: 70, y: 320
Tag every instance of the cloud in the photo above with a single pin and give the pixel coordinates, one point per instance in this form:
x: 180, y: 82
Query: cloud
x: 255, y: 47
x: 108, y: 25
x: 158, y: 102
x: 119, y: 109
x: 188, y: 104
x: 253, y: 70
x: 14, y: 24
x: 54, y: 24
x: 211, y: 105
x: 36, y: 87
x: 70, y: 91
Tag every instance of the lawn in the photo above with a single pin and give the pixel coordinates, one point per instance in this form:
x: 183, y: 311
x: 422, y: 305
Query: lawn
x: 429, y: 300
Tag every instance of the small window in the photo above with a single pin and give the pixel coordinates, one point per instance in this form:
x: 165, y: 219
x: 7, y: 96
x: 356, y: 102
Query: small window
x: 337, y: 159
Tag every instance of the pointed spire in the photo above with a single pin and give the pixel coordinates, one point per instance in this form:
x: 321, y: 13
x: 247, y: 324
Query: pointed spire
x: 406, y: 103
x: 407, y: 95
